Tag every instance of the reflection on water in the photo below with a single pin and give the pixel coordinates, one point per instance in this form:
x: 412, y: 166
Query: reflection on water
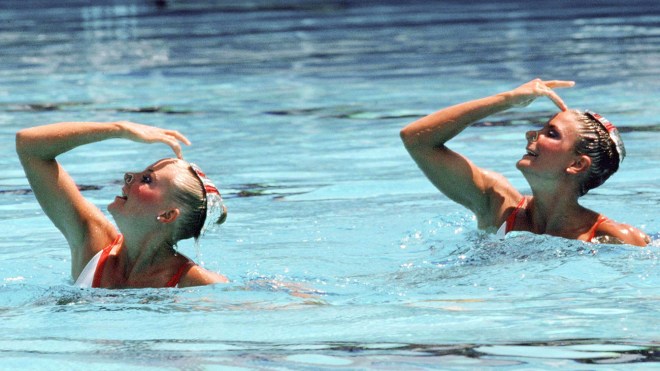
x: 194, y: 354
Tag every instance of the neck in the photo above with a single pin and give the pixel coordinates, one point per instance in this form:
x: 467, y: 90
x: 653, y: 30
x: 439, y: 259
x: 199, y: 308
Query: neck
x: 554, y: 208
x: 144, y: 250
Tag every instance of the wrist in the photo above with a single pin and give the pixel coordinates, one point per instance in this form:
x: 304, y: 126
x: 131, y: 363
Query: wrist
x: 505, y: 100
x: 118, y: 129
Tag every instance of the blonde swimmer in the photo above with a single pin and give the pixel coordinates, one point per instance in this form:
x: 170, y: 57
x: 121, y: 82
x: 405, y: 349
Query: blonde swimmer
x: 168, y: 201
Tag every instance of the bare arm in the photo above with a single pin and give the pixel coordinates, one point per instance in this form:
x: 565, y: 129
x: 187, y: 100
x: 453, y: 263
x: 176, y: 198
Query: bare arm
x: 84, y: 226
x: 198, y: 276
x: 622, y: 232
x: 484, y: 192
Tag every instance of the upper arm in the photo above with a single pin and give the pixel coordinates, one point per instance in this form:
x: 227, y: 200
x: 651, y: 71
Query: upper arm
x: 485, y: 193
x: 623, y: 232
x: 198, y: 276
x: 79, y: 220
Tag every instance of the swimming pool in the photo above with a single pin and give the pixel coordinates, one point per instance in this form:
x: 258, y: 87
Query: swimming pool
x: 295, y: 109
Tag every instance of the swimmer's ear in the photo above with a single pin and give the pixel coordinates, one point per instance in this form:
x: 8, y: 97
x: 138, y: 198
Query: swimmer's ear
x: 168, y: 216
x: 581, y: 164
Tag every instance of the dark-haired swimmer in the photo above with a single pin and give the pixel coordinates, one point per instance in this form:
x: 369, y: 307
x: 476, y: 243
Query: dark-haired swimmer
x: 573, y: 153
x: 169, y: 201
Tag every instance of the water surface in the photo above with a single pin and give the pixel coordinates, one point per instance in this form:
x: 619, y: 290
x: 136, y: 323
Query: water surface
x: 295, y: 110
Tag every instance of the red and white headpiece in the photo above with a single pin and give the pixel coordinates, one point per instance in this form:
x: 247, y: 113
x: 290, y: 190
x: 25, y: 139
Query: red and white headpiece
x: 612, y: 131
x: 215, y: 208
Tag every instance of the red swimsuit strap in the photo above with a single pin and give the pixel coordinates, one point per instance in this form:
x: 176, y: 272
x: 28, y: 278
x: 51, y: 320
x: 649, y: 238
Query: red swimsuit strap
x: 182, y: 270
x: 511, y: 220
x: 98, y: 274
x: 592, y: 232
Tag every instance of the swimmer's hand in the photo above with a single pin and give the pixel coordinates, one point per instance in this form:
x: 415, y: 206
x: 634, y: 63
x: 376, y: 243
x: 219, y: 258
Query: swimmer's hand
x: 525, y: 94
x: 151, y: 134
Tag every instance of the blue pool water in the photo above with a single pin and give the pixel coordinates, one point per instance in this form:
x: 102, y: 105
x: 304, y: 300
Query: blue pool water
x: 295, y: 109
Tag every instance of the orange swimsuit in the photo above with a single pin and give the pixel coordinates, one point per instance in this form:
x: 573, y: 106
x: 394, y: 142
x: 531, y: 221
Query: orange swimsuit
x: 93, y: 272
x: 511, y: 220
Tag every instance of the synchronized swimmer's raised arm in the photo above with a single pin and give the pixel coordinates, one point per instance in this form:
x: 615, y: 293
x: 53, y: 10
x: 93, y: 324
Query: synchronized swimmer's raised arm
x: 485, y: 193
x: 85, y: 227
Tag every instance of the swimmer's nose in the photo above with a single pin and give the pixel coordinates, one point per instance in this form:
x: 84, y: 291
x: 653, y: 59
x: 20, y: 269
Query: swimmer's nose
x: 532, y: 136
x: 128, y: 178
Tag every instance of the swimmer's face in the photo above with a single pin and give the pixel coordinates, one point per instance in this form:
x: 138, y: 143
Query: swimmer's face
x: 551, y: 150
x: 145, y: 194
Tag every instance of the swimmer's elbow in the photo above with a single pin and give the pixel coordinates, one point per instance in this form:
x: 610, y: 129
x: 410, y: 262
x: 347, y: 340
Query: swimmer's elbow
x: 408, y: 137
x: 642, y: 240
x: 415, y: 142
x: 632, y: 236
x: 27, y: 143
x: 635, y: 242
x: 22, y: 142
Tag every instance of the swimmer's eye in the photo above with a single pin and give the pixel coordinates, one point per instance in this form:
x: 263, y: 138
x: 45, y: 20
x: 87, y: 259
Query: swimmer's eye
x: 553, y: 134
x: 146, y: 179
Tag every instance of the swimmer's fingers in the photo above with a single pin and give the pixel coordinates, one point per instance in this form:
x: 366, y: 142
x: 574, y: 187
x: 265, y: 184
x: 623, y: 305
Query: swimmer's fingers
x: 174, y: 144
x: 558, y: 84
x: 528, y: 92
x: 178, y: 136
x: 152, y: 134
x: 545, y: 87
x: 525, y: 94
x: 538, y: 87
x: 557, y: 100
x: 172, y: 139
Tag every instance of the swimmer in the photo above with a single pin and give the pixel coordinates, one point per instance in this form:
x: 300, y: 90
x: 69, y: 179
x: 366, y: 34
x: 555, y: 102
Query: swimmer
x: 169, y: 201
x: 574, y: 152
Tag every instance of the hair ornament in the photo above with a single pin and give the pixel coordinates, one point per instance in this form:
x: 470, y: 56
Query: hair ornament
x: 215, y: 211
x: 612, y: 131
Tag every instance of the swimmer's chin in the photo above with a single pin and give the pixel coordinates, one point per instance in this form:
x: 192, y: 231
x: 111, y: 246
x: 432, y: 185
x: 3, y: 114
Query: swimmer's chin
x: 115, y: 204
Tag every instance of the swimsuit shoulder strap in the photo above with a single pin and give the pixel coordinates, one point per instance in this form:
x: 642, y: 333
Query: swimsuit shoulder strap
x: 98, y: 274
x: 182, y: 270
x: 592, y: 232
x: 511, y: 220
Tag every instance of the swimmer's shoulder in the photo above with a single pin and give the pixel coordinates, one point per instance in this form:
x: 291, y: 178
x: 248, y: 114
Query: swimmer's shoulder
x: 97, y: 236
x: 198, y: 276
x: 502, y: 199
x: 611, y: 231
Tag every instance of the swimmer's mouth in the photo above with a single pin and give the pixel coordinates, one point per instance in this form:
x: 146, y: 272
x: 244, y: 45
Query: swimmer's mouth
x: 530, y: 153
x: 123, y: 195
